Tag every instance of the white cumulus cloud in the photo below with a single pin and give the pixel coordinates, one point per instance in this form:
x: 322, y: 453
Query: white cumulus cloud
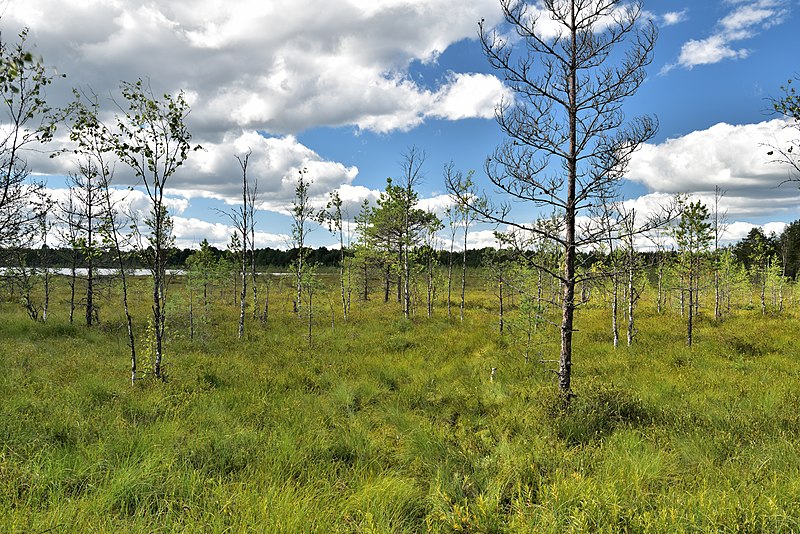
x: 746, y: 19
x: 733, y: 157
x: 279, y: 66
x: 674, y: 17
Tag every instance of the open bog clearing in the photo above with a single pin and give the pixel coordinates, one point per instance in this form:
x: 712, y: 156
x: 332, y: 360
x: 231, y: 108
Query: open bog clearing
x: 390, y: 425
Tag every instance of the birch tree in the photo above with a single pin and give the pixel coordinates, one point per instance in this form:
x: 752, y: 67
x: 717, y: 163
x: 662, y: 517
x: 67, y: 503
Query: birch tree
x: 150, y: 136
x: 302, y: 214
x: 27, y: 120
x: 243, y: 219
x: 633, y: 270
x: 335, y: 218
x: 463, y: 187
x: 719, y: 228
x: 452, y: 225
x: 116, y: 241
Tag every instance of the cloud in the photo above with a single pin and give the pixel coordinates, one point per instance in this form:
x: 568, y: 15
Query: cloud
x: 189, y: 232
x: 273, y: 165
x: 279, y: 66
x: 477, y: 239
x: 215, y: 173
x: 437, y: 204
x: 470, y: 95
x: 256, y: 73
x: 738, y: 230
x: 674, y: 17
x: 707, y: 51
x: 127, y: 201
x: 744, y: 21
x: 733, y: 157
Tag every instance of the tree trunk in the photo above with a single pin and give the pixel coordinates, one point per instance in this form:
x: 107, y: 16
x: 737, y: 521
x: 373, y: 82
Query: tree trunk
x: 129, y: 324
x: 387, y: 281
x: 310, y: 315
x: 159, y: 290
x: 464, y: 275
x: 614, y: 306
x: 243, y: 299
x: 345, y: 303
x: 450, y: 279
x: 89, y: 293
x: 191, y: 314
x: 430, y: 286
x: 72, y: 280
x: 46, y: 304
x: 400, y: 280
x: 660, y: 297
x: 717, y: 296
x: 500, y: 296
x: 568, y: 283
x: 690, y: 309
x: 631, y: 296
x: 253, y: 280
x: 157, y: 322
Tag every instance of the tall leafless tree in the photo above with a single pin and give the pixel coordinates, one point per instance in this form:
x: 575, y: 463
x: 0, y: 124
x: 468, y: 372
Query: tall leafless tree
x: 84, y: 210
x: 568, y: 141
x: 788, y: 153
x: 91, y: 137
x: 244, y: 225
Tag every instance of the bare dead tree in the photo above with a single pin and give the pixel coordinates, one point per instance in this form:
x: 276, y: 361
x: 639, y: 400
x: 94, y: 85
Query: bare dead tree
x: 242, y: 219
x: 68, y: 231
x: 250, y: 188
x: 568, y: 140
x: 412, y: 176
x: 112, y: 233
x: 84, y: 211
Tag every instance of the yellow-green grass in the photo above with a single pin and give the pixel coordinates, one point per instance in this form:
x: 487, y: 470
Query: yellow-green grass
x: 390, y: 425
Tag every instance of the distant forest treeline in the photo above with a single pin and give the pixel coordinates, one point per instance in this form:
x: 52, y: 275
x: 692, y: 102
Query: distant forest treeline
x: 265, y: 257
x: 784, y: 248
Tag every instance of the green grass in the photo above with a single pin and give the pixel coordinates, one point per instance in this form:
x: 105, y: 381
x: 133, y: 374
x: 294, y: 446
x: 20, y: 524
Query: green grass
x: 390, y: 425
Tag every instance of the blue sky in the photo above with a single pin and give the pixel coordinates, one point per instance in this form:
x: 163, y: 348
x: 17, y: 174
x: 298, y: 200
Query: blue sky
x: 343, y: 88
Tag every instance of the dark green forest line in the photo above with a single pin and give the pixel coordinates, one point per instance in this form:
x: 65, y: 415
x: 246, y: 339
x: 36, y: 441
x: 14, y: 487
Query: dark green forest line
x: 784, y: 249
